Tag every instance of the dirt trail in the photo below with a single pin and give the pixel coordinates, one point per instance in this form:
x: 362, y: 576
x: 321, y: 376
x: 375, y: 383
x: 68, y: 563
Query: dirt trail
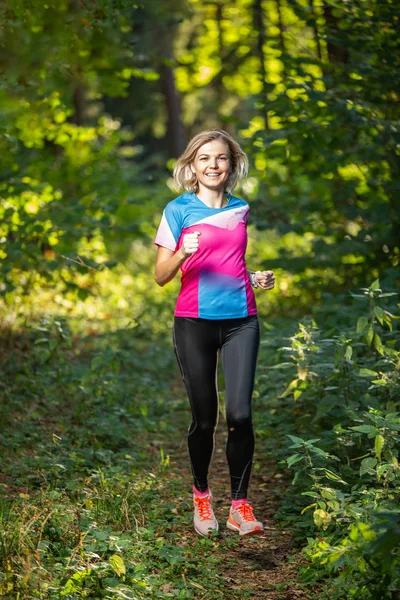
x: 262, y: 561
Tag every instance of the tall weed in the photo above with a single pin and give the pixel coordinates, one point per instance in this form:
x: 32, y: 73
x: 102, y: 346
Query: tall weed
x: 339, y: 411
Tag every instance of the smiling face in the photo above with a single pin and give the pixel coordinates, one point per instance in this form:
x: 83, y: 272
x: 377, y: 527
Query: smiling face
x: 212, y: 165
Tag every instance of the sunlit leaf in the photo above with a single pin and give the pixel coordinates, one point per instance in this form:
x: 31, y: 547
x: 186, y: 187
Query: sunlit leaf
x: 292, y: 385
x: 348, y: 353
x: 379, y: 443
x: 375, y: 285
x: 367, y: 373
x: 307, y: 507
x: 322, y: 518
x: 379, y: 313
x: 117, y: 564
x: 378, y: 344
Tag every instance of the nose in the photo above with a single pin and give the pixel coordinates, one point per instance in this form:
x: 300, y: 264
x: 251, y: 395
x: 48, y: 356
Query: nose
x: 214, y: 163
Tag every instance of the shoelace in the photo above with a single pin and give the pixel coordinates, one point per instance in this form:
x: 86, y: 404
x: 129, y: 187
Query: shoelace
x: 205, y: 509
x: 246, y: 512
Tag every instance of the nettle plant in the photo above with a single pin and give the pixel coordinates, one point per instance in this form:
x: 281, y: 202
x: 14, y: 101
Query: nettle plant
x: 347, y: 388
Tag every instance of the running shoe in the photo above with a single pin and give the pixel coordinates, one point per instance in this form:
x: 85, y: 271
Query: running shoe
x: 242, y: 519
x: 204, y: 519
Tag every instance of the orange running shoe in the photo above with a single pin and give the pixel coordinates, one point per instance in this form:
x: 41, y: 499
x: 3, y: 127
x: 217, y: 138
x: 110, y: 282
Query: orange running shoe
x: 204, y: 519
x: 242, y: 519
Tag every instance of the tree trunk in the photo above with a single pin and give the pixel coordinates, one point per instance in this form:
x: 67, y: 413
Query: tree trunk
x: 78, y: 102
x: 175, y: 132
x: 337, y: 53
x: 219, y: 85
x: 175, y: 137
x: 261, y: 40
x: 281, y: 38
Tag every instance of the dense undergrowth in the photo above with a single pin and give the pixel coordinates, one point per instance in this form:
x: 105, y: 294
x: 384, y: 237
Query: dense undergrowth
x: 86, y: 416
x: 83, y: 467
x: 339, y: 412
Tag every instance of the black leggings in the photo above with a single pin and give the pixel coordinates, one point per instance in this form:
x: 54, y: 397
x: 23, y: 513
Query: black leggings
x: 197, y: 342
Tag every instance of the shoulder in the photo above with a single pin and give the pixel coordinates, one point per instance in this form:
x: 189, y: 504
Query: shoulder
x: 180, y: 203
x: 238, y: 202
x: 176, y: 211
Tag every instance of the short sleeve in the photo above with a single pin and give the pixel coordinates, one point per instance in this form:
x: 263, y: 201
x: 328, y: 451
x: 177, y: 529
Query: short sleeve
x: 170, y: 228
x: 246, y: 215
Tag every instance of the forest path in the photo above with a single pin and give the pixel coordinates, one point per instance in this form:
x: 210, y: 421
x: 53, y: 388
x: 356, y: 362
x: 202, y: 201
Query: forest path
x: 260, y: 567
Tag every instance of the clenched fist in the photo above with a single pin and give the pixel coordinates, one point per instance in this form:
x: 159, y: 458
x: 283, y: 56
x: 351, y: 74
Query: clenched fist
x: 190, y: 243
x: 265, y: 279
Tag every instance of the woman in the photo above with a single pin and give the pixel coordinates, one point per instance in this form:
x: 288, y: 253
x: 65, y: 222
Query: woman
x: 203, y: 233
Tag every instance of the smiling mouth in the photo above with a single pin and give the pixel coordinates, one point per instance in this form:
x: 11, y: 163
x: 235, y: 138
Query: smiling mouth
x: 213, y: 174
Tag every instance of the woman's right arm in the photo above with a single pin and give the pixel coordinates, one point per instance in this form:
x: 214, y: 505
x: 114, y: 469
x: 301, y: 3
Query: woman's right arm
x: 167, y: 265
x: 168, y: 261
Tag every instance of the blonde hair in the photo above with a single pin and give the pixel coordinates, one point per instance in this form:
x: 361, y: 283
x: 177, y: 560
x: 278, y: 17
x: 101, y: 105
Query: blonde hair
x: 183, y: 174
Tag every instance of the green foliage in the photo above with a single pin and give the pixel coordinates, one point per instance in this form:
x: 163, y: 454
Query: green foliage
x: 89, y: 506
x: 84, y: 158
x: 345, y: 395
x: 97, y: 98
x: 68, y: 186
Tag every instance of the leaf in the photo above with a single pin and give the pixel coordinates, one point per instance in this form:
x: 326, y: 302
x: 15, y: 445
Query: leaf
x: 379, y: 443
x: 293, y: 459
x: 366, y: 531
x: 330, y: 475
x: 312, y: 494
x: 289, y: 388
x: 381, y: 469
x: 362, y: 324
x: 369, y: 336
x: 361, y: 564
x: 322, y: 518
x: 378, y: 344
x: 297, y: 394
x: 295, y: 439
x: 367, y: 466
x: 358, y: 296
x: 370, y: 429
x: 117, y: 564
x: 379, y: 313
x: 387, y: 319
x: 307, y: 507
x: 197, y: 585
x: 328, y: 493
x: 375, y: 285
x: 348, y: 353
x: 367, y: 373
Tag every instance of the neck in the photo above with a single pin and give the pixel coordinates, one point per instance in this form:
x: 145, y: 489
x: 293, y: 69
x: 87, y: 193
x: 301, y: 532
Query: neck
x: 213, y: 198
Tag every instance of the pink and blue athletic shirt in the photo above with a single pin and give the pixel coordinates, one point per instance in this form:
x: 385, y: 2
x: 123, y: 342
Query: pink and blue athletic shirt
x: 214, y: 282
